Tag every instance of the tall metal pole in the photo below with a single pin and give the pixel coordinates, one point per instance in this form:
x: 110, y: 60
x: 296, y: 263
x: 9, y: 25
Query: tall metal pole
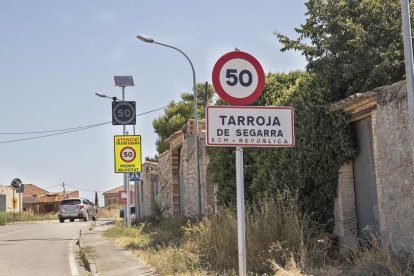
x: 240, y: 211
x: 14, y: 207
x: 126, y: 184
x: 197, y: 155
x: 136, y: 197
x: 408, y: 56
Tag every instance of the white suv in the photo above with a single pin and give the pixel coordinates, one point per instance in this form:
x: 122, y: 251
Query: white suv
x: 76, y: 208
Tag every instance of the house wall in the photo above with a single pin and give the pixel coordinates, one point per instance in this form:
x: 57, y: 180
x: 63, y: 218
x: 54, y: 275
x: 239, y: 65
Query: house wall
x: 30, y: 190
x: 345, y: 210
x: 395, y: 183
x: 148, y: 196
x: 8, y: 192
x: 387, y: 110
x: 169, y: 195
x: 111, y: 199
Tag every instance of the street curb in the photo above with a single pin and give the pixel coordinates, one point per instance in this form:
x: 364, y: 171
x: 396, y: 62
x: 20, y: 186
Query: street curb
x: 88, y: 261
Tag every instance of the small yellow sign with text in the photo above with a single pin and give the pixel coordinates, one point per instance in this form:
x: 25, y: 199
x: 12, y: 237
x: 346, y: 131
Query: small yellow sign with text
x: 127, y: 149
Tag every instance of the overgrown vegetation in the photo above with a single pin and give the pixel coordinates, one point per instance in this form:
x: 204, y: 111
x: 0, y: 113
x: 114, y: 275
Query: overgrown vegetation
x: 310, y: 168
x: 177, y: 114
x: 355, y: 46
x: 111, y: 211
x: 279, y: 239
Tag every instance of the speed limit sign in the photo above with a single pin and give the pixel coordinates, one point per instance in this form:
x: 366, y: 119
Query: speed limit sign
x: 128, y: 154
x: 238, y: 78
x: 123, y: 113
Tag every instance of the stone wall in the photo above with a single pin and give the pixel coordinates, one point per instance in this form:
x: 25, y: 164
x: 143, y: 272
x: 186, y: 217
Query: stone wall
x: 394, y: 167
x: 345, y: 210
x: 148, y: 188
x: 177, y: 190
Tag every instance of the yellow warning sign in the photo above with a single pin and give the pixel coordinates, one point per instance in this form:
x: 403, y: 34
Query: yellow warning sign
x: 127, y: 149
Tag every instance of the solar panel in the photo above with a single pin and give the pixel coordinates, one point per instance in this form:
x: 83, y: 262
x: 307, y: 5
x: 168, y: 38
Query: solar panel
x: 123, y: 81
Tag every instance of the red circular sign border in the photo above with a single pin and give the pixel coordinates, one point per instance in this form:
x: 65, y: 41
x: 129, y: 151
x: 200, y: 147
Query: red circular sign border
x: 135, y: 154
x: 222, y: 93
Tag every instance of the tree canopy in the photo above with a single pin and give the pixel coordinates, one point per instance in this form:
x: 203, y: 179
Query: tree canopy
x: 355, y: 45
x: 177, y: 113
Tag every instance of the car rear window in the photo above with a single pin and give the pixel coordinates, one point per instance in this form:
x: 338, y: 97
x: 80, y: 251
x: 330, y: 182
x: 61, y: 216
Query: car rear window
x: 71, y: 202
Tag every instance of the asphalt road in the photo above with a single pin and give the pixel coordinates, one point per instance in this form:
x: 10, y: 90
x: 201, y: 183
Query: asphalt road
x: 43, y: 248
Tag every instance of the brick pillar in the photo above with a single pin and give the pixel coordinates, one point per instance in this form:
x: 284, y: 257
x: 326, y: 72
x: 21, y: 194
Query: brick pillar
x: 176, y: 181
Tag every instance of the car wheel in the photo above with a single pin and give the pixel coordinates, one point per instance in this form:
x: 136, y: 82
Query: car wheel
x: 61, y: 220
x: 71, y: 220
x: 86, y: 218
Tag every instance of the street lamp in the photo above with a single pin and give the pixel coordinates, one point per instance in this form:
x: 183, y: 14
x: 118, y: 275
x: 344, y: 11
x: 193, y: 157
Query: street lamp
x: 105, y: 96
x: 148, y: 39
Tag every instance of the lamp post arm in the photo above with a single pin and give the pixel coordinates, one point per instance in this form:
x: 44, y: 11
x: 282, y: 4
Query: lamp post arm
x: 197, y: 155
x: 189, y: 60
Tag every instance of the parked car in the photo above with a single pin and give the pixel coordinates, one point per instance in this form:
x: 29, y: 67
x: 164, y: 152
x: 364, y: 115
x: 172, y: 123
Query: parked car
x: 76, y: 208
x: 121, y: 212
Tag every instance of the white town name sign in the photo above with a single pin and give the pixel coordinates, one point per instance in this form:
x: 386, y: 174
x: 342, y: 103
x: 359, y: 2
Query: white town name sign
x: 250, y: 126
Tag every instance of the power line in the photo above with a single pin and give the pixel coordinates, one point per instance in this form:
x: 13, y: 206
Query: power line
x: 65, y: 130
x: 85, y: 190
x: 51, y: 187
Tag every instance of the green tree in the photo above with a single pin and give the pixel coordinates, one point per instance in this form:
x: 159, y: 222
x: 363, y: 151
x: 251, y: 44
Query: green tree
x: 177, y: 113
x: 355, y: 45
x: 96, y: 199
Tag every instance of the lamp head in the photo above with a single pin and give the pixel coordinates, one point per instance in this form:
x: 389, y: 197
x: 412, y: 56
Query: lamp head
x: 145, y: 38
x: 101, y: 95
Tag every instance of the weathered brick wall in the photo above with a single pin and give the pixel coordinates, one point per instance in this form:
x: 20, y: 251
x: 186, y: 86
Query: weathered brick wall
x: 177, y: 186
x: 345, y: 211
x: 394, y: 168
x: 191, y: 195
x: 165, y: 182
x: 189, y: 176
x: 387, y: 109
x: 149, y: 180
x: 111, y: 199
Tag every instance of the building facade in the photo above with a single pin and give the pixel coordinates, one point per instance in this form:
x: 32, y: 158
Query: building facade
x: 376, y: 188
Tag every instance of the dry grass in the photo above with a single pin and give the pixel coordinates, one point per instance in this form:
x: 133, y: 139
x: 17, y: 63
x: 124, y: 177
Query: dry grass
x: 111, y: 211
x: 8, y: 217
x: 279, y: 240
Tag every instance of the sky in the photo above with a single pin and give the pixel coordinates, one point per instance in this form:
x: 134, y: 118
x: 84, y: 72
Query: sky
x: 55, y: 55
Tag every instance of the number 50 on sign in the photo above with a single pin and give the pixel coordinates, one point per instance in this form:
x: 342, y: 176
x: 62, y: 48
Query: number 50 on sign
x: 127, y: 149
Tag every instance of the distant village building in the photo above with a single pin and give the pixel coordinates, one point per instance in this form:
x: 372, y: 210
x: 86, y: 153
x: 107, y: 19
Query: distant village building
x: 112, y: 196
x: 33, y: 199
x: 9, y: 199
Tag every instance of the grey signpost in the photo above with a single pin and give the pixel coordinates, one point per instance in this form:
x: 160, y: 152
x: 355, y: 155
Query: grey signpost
x: 124, y: 81
x: 239, y: 80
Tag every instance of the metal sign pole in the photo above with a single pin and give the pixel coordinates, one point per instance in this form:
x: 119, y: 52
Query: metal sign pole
x: 240, y: 211
x: 409, y: 71
x: 14, y: 207
x: 126, y: 184
x: 136, y: 197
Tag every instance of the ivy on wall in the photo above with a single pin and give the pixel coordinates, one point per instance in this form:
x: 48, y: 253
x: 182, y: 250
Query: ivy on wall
x: 309, y: 169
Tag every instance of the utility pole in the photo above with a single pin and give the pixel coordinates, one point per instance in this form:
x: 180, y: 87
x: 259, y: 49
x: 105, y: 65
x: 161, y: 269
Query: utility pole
x: 205, y: 96
x: 64, y: 191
